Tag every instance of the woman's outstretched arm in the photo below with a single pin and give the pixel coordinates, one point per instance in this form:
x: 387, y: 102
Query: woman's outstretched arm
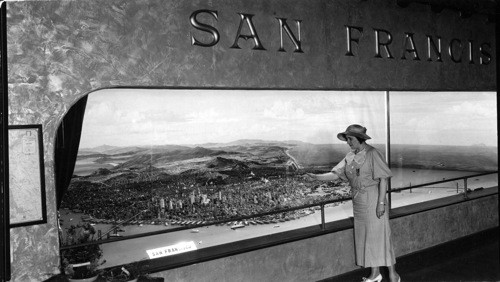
x: 329, y: 176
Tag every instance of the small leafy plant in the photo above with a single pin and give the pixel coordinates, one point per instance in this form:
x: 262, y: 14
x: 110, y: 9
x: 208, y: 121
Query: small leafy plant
x: 83, y: 261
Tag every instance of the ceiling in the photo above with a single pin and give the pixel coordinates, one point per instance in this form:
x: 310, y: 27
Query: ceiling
x: 465, y: 8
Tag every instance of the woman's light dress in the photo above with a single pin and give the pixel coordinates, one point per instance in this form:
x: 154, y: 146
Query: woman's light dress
x: 372, y: 235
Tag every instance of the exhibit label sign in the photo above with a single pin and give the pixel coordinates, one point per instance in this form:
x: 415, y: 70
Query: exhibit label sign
x: 178, y: 248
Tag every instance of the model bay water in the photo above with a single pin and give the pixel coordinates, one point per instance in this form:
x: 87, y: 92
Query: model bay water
x: 126, y: 251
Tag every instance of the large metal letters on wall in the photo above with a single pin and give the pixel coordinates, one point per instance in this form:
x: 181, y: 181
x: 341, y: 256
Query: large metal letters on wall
x: 314, y: 44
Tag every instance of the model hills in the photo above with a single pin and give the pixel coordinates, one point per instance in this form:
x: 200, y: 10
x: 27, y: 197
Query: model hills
x: 261, y: 154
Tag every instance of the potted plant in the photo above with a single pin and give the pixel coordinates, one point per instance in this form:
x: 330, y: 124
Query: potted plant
x: 129, y: 273
x: 81, y: 263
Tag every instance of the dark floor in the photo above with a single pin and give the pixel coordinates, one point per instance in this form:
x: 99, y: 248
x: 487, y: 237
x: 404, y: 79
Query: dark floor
x: 475, y: 258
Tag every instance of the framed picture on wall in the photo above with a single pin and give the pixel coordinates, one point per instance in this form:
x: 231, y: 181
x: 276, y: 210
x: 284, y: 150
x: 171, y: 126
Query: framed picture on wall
x: 26, y: 176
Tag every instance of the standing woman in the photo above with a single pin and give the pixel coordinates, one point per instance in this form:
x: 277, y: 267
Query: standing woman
x: 367, y: 173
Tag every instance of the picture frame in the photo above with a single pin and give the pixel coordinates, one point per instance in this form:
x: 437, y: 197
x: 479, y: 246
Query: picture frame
x: 27, y: 198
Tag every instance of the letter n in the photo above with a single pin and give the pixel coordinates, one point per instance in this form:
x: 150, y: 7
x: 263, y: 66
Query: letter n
x: 437, y: 49
x: 296, y: 42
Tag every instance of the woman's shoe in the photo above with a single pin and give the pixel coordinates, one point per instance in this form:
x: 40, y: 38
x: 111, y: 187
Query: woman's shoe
x: 376, y: 279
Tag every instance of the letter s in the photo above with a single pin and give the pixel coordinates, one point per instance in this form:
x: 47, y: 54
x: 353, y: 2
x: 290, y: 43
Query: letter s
x: 485, y: 58
x: 204, y: 27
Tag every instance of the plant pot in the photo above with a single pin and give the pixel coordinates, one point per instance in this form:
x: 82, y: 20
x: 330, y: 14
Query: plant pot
x: 90, y: 279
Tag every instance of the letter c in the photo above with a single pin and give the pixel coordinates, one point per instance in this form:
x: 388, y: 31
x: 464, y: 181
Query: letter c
x: 450, y: 50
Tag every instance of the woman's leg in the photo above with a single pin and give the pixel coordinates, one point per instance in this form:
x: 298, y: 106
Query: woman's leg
x: 375, y: 272
x: 393, y: 275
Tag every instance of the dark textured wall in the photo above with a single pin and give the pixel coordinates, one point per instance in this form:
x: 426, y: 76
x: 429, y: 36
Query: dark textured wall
x: 413, y: 233
x: 59, y: 51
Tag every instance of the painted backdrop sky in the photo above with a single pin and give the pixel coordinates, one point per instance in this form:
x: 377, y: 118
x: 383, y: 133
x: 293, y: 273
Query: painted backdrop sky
x: 127, y: 117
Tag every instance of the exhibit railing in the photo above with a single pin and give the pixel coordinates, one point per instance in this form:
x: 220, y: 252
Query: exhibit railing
x: 465, y: 187
x: 316, y: 206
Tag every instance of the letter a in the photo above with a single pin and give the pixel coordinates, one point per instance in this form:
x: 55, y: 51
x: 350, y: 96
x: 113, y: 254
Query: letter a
x: 248, y: 19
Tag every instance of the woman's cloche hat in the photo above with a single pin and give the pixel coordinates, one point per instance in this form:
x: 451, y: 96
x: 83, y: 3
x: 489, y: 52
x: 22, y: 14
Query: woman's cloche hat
x: 354, y: 130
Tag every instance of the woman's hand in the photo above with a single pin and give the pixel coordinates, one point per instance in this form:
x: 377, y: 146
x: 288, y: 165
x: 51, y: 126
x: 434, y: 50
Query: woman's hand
x: 380, y: 210
x: 310, y: 176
